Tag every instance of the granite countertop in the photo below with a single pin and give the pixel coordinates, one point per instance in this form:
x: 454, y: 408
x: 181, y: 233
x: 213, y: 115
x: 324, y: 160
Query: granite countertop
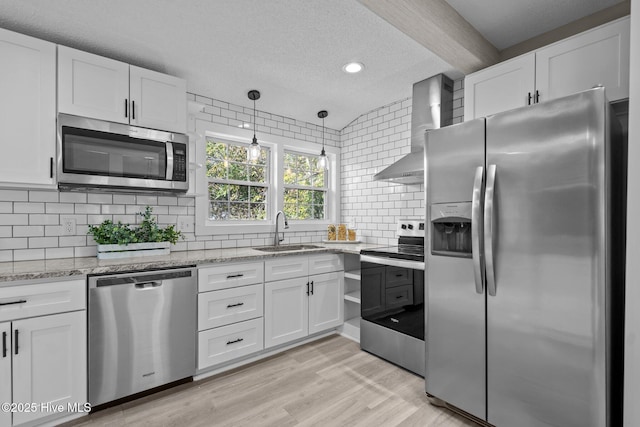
x: 66, y: 267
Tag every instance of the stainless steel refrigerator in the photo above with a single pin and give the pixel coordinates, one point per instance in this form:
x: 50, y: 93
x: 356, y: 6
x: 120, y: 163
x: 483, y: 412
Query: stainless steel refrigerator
x: 525, y: 264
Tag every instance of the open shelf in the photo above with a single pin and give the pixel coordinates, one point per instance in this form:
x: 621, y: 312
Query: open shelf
x: 353, y: 274
x: 351, y: 329
x: 353, y: 296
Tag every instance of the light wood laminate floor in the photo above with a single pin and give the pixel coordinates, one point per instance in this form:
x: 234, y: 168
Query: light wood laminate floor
x: 329, y: 382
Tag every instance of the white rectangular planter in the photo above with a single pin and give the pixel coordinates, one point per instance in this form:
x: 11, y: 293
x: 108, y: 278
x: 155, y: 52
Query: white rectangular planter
x: 133, y: 250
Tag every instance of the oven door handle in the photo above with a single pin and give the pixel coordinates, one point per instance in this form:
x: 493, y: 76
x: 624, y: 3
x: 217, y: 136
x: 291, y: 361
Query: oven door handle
x: 393, y: 262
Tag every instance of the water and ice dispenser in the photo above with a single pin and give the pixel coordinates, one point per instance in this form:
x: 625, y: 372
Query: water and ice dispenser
x: 451, y: 229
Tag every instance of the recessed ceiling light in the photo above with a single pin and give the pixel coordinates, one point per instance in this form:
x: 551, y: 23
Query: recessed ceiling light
x: 353, y: 67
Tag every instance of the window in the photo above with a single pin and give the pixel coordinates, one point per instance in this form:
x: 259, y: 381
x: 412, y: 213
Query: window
x: 305, y: 187
x: 238, y: 188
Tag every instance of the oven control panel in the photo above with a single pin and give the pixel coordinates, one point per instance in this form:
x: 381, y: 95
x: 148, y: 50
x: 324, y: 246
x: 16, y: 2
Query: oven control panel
x: 410, y: 228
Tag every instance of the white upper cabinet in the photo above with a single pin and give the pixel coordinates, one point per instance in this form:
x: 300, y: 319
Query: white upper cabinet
x: 158, y: 101
x: 93, y: 86
x: 502, y: 87
x: 27, y: 110
x: 599, y: 56
x: 595, y: 57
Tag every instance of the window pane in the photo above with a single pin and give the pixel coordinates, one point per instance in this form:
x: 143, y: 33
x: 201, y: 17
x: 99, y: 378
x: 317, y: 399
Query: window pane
x: 304, y: 211
x: 304, y: 178
x: 237, y: 153
x: 216, y: 169
x: 318, y: 212
x: 264, y: 157
x: 318, y: 197
x: 258, y: 194
x: 218, y: 191
x: 318, y: 178
x: 258, y: 211
x: 238, y: 171
x: 216, y: 150
x: 290, y: 210
x: 239, y: 210
x: 219, y: 211
x: 257, y: 173
x: 238, y: 193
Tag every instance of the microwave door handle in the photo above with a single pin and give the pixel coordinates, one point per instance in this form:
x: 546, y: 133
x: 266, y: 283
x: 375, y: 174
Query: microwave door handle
x: 476, y: 230
x: 169, y: 175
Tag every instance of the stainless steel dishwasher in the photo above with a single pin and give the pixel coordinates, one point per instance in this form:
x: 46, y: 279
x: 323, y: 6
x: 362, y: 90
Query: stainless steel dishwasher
x: 142, y: 331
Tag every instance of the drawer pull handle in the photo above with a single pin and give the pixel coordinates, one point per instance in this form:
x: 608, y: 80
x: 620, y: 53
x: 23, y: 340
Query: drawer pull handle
x: 4, y: 344
x: 234, y: 276
x: 238, y: 304
x: 399, y: 296
x: 399, y: 275
x: 235, y: 341
x: 312, y: 287
x: 21, y: 301
x: 16, y: 335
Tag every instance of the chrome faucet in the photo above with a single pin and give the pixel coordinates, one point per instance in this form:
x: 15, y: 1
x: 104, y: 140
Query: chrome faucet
x: 276, y: 237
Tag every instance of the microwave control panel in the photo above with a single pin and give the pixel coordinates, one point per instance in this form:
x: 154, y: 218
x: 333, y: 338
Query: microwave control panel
x: 179, y: 162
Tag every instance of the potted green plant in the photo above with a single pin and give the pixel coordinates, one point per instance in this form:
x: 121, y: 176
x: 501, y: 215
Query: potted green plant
x: 118, y: 240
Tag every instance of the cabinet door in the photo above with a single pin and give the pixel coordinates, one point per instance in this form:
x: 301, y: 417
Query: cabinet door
x: 499, y: 88
x: 92, y: 86
x: 50, y: 364
x: 27, y: 109
x: 5, y: 371
x: 158, y: 101
x: 595, y: 57
x: 286, y: 308
x: 326, y: 309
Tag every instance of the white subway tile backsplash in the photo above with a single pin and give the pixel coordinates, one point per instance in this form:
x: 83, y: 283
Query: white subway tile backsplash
x: 54, y: 253
x: 73, y: 197
x: 100, y: 198
x: 43, y: 242
x: 43, y: 196
x: 14, y: 219
x: 14, y: 195
x: 28, y: 254
x: 14, y: 243
x: 124, y: 199
x: 28, y: 231
x: 60, y: 208
x: 6, y: 207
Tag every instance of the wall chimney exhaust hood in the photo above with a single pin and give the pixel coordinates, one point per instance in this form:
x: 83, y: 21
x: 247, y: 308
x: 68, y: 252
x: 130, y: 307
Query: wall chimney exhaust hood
x: 432, y: 108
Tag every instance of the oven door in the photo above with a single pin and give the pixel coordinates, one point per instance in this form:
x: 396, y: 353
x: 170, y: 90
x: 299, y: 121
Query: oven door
x: 94, y: 153
x: 393, y: 295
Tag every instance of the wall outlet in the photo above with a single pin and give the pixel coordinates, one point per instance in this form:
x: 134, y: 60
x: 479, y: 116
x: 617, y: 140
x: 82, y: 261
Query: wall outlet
x: 186, y: 224
x: 68, y: 226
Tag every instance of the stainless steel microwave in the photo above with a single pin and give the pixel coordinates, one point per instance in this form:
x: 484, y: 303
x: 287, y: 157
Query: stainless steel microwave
x: 100, y: 155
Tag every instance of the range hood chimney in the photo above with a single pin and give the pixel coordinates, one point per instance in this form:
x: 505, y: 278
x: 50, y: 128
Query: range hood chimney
x: 432, y: 108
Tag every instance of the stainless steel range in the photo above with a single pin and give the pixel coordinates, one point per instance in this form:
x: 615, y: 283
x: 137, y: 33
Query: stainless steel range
x: 392, y: 307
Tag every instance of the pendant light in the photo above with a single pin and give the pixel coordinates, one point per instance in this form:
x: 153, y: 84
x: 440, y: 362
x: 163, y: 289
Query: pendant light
x: 254, y: 149
x: 323, y: 162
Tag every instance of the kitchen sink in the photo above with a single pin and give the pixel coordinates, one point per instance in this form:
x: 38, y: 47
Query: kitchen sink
x: 283, y: 248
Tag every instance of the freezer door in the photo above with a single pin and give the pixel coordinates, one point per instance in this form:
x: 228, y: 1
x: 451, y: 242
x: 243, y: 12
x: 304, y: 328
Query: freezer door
x: 455, y: 314
x: 546, y: 323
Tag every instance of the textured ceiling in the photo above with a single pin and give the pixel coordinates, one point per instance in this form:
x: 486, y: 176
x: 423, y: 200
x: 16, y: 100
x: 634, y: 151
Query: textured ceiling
x: 290, y: 50
x: 508, y: 22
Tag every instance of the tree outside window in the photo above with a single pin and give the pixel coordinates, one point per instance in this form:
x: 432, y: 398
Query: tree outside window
x: 238, y: 188
x: 305, y: 187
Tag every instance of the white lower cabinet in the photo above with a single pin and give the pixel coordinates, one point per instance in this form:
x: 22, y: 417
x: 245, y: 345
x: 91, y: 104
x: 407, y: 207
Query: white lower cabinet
x: 225, y: 343
x: 297, y: 307
x: 230, y: 309
x: 43, y: 360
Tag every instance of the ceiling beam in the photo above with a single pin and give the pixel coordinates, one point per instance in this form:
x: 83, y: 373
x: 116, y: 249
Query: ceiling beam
x: 438, y: 27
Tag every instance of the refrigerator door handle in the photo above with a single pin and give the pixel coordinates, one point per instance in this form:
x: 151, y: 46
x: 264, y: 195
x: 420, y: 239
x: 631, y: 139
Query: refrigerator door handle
x: 489, y: 213
x: 476, y: 230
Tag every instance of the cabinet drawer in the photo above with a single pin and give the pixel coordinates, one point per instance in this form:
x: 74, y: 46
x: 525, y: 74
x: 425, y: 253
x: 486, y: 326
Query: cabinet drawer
x: 398, y: 276
x: 41, y: 298
x: 399, y: 296
x: 286, y: 268
x: 325, y: 263
x: 219, y: 308
x: 229, y: 276
x: 229, y: 342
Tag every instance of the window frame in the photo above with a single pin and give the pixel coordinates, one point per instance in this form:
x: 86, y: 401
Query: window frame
x: 277, y: 144
x: 324, y: 188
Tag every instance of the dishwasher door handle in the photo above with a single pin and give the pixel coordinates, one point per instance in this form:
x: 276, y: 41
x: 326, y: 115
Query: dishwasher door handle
x: 148, y: 285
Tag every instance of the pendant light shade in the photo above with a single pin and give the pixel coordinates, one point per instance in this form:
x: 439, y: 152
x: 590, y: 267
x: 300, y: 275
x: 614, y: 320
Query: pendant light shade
x: 254, y: 148
x: 323, y: 162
